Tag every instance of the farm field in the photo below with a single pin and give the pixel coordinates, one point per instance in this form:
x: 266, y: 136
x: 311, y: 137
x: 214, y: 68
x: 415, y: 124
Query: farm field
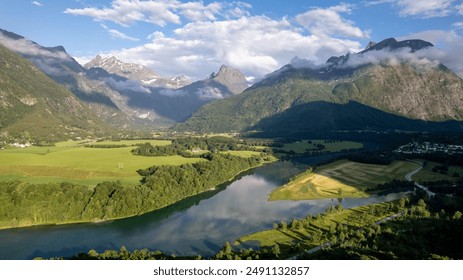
x: 300, y: 147
x: 341, y: 179
x: 72, y: 162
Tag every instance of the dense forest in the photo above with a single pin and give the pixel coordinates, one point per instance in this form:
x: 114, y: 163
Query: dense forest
x: 25, y: 204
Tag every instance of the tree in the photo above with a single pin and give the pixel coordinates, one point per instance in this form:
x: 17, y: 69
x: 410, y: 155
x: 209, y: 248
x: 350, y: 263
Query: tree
x: 227, y: 248
x: 283, y: 225
x: 276, y: 250
x: 457, y: 215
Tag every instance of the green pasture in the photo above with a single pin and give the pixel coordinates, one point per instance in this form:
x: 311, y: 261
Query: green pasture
x: 341, y: 179
x: 426, y: 174
x: 300, y: 147
x: 70, y: 161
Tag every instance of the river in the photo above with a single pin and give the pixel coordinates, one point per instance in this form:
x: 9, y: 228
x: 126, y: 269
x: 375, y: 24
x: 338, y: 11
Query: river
x: 198, y: 225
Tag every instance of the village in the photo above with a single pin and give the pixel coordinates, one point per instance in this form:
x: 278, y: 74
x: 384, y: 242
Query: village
x: 428, y: 147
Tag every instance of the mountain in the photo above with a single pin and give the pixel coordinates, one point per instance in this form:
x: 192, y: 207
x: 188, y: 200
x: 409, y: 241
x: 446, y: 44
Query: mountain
x: 227, y: 82
x: 179, y: 104
x: 105, y: 102
x: 33, y: 107
x: 137, y: 72
x: 127, y: 95
x: 391, y: 82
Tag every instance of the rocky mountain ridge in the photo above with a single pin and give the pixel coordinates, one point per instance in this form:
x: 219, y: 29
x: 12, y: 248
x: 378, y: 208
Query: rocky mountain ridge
x: 391, y: 77
x: 137, y: 72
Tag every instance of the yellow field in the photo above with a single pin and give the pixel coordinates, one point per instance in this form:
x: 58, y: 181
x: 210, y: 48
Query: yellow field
x: 341, y: 179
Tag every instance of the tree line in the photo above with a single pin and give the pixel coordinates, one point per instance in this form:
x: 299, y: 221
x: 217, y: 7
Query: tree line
x: 187, y: 146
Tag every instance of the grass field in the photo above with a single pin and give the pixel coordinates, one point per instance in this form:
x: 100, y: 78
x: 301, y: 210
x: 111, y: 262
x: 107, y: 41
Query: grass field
x: 70, y: 161
x: 300, y: 147
x: 426, y: 174
x: 341, y: 179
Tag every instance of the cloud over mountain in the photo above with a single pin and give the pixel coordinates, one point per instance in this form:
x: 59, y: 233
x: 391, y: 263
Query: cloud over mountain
x: 26, y: 47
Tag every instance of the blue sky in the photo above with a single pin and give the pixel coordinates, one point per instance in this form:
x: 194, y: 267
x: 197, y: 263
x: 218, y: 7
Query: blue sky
x: 195, y: 37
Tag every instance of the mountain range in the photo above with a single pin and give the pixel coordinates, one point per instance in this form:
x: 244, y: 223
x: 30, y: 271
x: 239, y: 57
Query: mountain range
x: 390, y: 85
x: 127, y: 95
x: 136, y: 72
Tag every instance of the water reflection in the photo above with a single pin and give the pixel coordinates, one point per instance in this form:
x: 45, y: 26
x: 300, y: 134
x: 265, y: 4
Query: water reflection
x: 198, y: 225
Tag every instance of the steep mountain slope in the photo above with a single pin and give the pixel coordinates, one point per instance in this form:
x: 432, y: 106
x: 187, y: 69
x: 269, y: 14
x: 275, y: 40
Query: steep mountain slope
x: 34, y: 107
x: 65, y: 70
x: 390, y: 78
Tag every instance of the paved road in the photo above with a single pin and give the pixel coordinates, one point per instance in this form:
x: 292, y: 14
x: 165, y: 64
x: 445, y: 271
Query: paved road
x: 409, y: 176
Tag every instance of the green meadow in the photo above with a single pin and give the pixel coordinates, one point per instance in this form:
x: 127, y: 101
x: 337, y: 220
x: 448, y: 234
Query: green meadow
x: 427, y: 174
x: 72, y: 162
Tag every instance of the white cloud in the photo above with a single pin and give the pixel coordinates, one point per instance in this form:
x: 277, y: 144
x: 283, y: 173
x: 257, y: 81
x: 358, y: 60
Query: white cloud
x: 26, y: 47
x: 209, y: 93
x: 421, y: 8
x: 329, y: 22
x: 377, y: 2
x: 38, y: 4
x: 426, y: 9
x: 448, y: 47
x: 196, y: 11
x: 161, y: 12
x: 172, y: 92
x: 421, y: 59
x: 255, y: 45
x: 127, y: 85
x: 126, y: 12
x: 297, y: 62
x: 460, y: 8
x: 118, y: 35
